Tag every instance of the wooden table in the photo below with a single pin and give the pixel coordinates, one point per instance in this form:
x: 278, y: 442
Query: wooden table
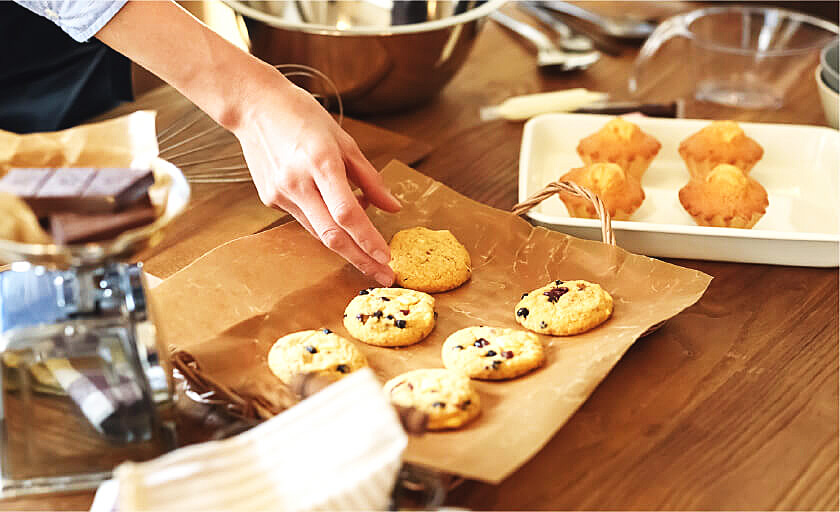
x: 732, y: 405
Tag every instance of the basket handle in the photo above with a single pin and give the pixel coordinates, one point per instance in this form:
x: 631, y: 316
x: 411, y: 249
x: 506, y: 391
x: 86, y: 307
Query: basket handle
x: 568, y: 187
x: 203, y: 389
x: 607, y: 233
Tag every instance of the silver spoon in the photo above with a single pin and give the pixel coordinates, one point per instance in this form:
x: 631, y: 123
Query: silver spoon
x: 617, y: 27
x: 568, y: 39
x: 549, y: 56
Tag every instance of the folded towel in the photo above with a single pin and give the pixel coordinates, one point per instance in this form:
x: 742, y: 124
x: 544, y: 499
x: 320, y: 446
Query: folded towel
x: 337, y: 450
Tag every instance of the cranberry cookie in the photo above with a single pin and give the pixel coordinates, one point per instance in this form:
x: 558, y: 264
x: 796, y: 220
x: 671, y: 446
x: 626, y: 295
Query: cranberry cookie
x: 319, y: 351
x: 390, y: 317
x: 492, y: 353
x: 447, y: 397
x: 563, y: 308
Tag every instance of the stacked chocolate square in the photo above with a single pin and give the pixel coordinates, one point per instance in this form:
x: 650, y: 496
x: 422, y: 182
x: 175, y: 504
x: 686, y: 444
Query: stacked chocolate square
x: 77, y: 205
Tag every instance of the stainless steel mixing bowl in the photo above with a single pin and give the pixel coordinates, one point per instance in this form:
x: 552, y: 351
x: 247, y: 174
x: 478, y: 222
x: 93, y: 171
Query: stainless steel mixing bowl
x: 382, y: 55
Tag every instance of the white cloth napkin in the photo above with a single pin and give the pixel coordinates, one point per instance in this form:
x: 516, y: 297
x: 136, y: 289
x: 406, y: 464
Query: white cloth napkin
x: 340, y: 449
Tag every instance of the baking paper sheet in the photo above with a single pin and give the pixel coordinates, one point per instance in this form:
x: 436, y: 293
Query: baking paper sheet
x: 228, y: 307
x: 112, y: 143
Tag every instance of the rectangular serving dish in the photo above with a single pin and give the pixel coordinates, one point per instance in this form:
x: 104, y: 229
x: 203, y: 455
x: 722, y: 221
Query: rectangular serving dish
x: 799, y: 169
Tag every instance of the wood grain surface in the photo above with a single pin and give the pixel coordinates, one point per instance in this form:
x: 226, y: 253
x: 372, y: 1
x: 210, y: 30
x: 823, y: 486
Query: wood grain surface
x: 732, y: 405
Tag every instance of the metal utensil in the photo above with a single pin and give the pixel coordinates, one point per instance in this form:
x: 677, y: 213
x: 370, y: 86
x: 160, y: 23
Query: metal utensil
x: 604, y: 43
x: 197, y: 170
x: 549, y: 56
x: 567, y: 39
x: 616, y: 27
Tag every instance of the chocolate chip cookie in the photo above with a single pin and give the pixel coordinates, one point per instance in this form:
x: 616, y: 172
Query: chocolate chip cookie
x: 563, y: 308
x: 429, y: 261
x: 446, y: 396
x: 492, y: 353
x: 318, y: 351
x: 390, y: 317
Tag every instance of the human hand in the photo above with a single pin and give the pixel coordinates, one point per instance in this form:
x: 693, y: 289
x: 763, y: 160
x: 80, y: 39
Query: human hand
x: 299, y: 157
x: 301, y: 161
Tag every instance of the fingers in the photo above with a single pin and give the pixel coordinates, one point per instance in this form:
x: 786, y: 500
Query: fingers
x: 369, y: 180
x: 383, y: 276
x: 363, y: 201
x: 345, y: 210
x: 290, y: 208
x: 338, y: 239
x: 310, y: 182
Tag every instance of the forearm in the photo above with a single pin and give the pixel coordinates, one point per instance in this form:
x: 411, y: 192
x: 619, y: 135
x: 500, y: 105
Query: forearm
x: 168, y: 41
x: 299, y: 157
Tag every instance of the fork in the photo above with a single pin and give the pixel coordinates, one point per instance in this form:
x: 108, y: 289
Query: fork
x: 549, y: 56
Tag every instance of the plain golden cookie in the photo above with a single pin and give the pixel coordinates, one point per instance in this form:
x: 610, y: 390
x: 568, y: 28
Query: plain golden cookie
x: 429, y: 261
x: 318, y: 351
x: 492, y: 352
x: 390, y: 317
x: 563, y: 308
x: 447, y: 397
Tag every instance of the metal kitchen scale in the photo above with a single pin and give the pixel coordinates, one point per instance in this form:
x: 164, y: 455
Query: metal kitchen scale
x: 83, y: 388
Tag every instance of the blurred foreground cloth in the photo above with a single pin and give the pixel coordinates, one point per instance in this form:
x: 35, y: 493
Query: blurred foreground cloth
x: 340, y: 449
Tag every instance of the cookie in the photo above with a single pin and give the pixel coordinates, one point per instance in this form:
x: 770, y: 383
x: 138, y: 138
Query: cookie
x: 563, y: 308
x: 447, y: 397
x: 322, y: 352
x: 429, y: 261
x: 390, y: 317
x: 492, y: 353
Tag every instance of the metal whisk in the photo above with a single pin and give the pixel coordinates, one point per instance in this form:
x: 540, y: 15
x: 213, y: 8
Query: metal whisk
x: 176, y: 148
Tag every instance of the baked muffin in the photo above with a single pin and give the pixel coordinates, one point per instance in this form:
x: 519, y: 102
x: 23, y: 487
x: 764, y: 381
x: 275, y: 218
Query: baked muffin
x: 621, y: 193
x: 620, y: 142
x: 721, y: 142
x: 726, y: 197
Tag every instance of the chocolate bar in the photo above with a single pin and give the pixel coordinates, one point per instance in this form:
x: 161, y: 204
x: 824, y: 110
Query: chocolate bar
x: 60, y: 191
x: 72, y: 228
x: 24, y: 182
x: 119, y: 186
x: 77, y: 190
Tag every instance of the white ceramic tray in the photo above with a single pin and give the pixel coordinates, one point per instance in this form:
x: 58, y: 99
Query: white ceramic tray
x: 799, y: 170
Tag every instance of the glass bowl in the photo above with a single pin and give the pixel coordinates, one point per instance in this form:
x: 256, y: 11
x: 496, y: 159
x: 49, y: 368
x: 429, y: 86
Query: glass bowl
x: 738, y: 56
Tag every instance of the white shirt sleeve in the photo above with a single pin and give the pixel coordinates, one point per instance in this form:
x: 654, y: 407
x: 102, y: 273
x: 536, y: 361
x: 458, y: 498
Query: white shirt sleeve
x: 81, y: 19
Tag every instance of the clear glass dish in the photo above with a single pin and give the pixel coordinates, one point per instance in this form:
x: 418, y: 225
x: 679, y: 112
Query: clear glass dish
x: 745, y: 57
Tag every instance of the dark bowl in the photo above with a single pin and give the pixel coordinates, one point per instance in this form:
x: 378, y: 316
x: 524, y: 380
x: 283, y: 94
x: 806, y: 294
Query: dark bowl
x: 829, y: 64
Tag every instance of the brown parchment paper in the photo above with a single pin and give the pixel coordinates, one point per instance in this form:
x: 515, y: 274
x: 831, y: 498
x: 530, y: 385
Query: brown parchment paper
x: 228, y: 307
x: 113, y: 143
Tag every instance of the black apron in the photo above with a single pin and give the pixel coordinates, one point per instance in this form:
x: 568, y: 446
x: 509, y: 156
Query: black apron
x: 50, y: 82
